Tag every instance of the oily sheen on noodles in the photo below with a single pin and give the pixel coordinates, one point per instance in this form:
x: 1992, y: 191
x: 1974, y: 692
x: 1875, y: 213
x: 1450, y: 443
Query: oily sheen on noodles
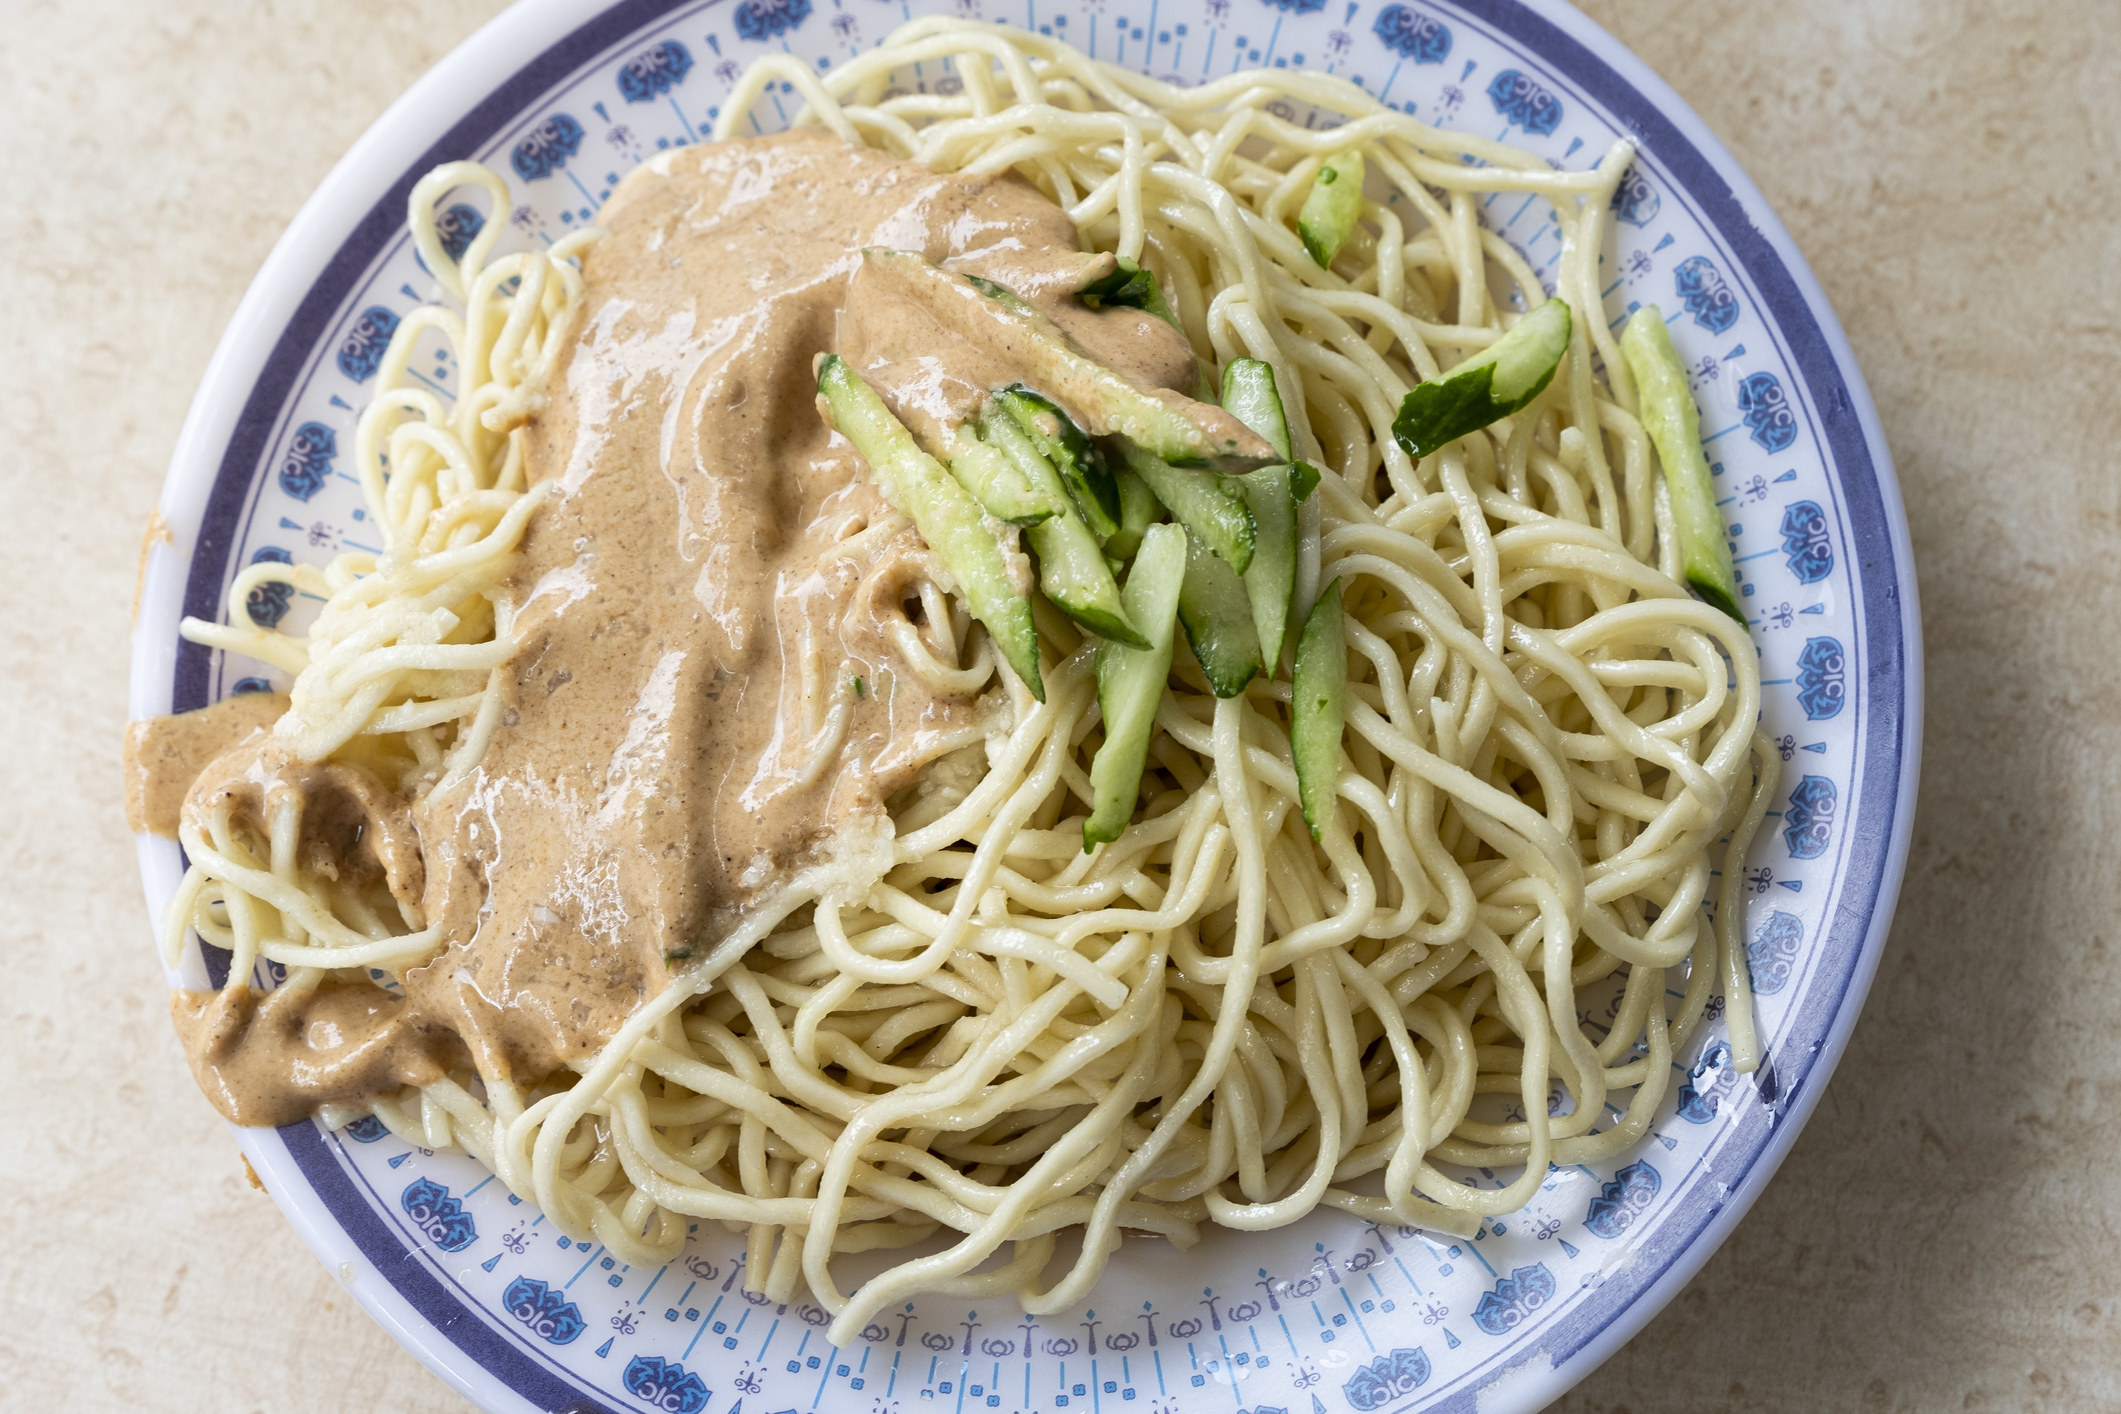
x: 977, y: 1038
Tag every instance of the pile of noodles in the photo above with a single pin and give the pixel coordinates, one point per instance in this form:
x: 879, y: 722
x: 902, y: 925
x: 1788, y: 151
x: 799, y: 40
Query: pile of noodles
x: 990, y: 1042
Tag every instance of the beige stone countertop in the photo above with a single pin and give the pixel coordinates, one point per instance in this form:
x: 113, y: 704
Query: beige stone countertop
x: 1946, y: 1234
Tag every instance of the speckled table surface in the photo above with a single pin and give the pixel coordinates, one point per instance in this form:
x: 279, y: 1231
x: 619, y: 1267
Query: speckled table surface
x: 1946, y: 1234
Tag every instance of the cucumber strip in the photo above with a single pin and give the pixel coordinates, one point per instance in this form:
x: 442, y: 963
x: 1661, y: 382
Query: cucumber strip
x: 1249, y: 395
x: 1270, y: 580
x: 997, y: 482
x: 1058, y: 440
x: 1129, y: 286
x: 1071, y: 567
x: 1138, y: 510
x: 1499, y: 380
x: 1073, y: 573
x: 1310, y: 560
x: 1674, y: 424
x: 1130, y: 683
x: 1334, y: 205
x: 1270, y: 493
x: 1318, y: 708
x: 1177, y: 429
x: 1206, y: 504
x: 942, y: 510
x: 1217, y: 615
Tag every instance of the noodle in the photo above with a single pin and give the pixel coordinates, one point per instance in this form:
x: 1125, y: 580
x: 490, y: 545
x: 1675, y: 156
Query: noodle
x: 979, y: 1032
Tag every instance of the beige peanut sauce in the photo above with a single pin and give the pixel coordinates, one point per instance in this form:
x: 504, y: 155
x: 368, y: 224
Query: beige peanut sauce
x: 164, y: 755
x: 686, y: 626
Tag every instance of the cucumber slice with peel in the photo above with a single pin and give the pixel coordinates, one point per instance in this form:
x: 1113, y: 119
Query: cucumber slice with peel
x: 1071, y: 568
x: 1210, y: 506
x: 1666, y: 407
x: 1271, y: 494
x: 1270, y: 580
x: 997, y: 482
x: 1138, y: 510
x: 1081, y: 465
x: 1129, y: 286
x: 1332, y: 208
x: 1318, y: 707
x: 942, y: 510
x: 1500, y: 380
x: 1250, y: 396
x: 1216, y: 613
x: 1130, y: 683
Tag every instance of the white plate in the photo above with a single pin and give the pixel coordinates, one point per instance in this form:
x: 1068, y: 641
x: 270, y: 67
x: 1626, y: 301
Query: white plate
x: 1327, y: 1315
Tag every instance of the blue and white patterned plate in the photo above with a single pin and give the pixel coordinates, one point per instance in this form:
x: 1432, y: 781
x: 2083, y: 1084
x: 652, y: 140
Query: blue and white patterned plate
x: 1321, y: 1318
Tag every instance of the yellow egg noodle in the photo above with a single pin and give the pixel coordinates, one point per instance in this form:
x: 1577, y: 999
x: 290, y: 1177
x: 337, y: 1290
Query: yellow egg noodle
x: 985, y: 1033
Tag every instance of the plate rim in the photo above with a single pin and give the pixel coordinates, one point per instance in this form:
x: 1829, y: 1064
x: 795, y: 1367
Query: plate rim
x: 365, y: 188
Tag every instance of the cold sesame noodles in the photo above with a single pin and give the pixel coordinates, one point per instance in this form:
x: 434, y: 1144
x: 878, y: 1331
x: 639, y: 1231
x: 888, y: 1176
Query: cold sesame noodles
x: 975, y: 1038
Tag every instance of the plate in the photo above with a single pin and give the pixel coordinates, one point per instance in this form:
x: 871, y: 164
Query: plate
x: 1325, y: 1316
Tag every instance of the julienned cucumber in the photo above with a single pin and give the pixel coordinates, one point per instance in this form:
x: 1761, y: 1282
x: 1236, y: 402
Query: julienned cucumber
x: 1217, y: 615
x: 1318, y: 708
x: 1249, y: 395
x: 1061, y: 442
x: 1666, y: 407
x: 1270, y: 493
x: 1129, y: 286
x: 996, y: 482
x: 1270, y: 580
x: 1329, y: 213
x: 1499, y: 380
x: 1071, y: 567
x: 1210, y: 506
x: 1180, y: 430
x: 1130, y: 683
x: 943, y: 511
x: 1138, y: 510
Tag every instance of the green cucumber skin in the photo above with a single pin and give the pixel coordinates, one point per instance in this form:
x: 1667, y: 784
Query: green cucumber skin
x: 1332, y: 208
x: 1702, y: 580
x: 1250, y: 396
x: 1073, y: 574
x: 1217, y: 615
x: 999, y: 485
x: 1525, y: 358
x: 1500, y: 380
x: 1071, y: 568
x: 1270, y: 580
x: 943, y: 512
x: 1318, y: 706
x: 1130, y: 683
x: 1130, y: 286
x: 1056, y: 437
x: 1203, y: 502
x: 1666, y: 407
x: 1272, y: 495
x: 1138, y: 510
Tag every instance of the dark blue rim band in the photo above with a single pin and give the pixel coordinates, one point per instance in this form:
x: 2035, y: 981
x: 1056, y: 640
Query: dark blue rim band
x: 1868, y: 525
